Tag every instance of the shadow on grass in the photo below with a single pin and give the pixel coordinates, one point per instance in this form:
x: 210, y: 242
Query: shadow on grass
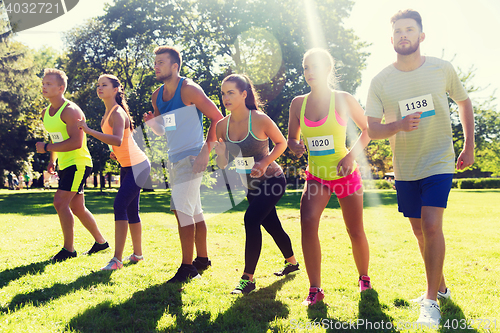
x: 143, y: 311
x: 453, y: 318
x: 42, y: 296
x: 12, y: 274
x: 371, y: 317
x: 252, y: 312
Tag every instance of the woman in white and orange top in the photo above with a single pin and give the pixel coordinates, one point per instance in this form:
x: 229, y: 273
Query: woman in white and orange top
x: 117, y: 129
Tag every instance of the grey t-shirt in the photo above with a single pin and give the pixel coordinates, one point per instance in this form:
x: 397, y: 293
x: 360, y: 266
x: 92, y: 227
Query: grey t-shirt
x: 394, y: 94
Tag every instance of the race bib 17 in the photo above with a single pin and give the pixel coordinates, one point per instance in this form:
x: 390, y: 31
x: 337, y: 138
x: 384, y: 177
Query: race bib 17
x: 422, y: 104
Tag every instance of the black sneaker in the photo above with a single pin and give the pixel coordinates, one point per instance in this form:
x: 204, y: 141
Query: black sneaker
x: 289, y: 268
x: 201, y: 263
x: 63, y: 255
x: 96, y: 248
x: 184, y: 273
x: 245, y: 286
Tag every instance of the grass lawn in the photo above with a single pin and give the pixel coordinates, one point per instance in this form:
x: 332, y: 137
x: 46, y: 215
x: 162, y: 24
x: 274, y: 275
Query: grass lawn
x: 75, y: 296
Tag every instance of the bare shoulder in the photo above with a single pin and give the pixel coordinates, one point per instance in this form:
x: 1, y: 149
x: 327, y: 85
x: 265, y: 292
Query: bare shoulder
x: 221, y: 127
x: 72, y: 112
x: 296, y: 105
x: 155, y: 94
x: 260, y: 118
x: 190, y: 89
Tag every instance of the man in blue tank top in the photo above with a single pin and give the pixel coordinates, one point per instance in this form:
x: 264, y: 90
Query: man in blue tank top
x: 179, y: 105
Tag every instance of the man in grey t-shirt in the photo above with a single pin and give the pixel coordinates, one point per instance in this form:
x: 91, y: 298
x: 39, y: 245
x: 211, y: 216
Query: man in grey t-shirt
x: 411, y: 95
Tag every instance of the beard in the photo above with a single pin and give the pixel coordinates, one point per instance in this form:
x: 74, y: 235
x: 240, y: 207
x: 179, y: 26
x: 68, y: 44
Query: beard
x: 164, y: 78
x: 409, y: 50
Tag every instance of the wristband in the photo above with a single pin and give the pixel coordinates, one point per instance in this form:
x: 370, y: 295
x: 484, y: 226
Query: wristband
x: 45, y: 147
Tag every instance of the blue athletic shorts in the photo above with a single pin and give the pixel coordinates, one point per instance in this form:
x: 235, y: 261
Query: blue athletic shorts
x: 431, y: 191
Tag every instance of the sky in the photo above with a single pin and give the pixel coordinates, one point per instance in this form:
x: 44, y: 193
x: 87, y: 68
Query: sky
x: 463, y: 30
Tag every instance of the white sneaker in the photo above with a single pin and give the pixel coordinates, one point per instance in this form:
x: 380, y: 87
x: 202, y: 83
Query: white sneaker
x: 440, y: 295
x: 429, y: 314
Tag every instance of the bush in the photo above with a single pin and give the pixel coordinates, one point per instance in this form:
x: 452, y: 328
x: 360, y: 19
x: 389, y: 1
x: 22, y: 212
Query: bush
x: 379, y: 184
x: 476, y: 183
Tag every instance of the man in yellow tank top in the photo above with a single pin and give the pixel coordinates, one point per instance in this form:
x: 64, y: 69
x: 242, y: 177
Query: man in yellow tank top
x: 69, y: 146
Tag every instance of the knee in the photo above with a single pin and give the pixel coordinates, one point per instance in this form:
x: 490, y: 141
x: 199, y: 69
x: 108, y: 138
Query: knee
x: 78, y: 210
x: 431, y: 229
x: 356, y: 233
x: 58, y: 204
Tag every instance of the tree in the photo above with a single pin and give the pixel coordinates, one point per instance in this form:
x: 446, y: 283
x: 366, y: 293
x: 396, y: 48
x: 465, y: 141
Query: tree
x: 486, y: 129
x: 19, y: 102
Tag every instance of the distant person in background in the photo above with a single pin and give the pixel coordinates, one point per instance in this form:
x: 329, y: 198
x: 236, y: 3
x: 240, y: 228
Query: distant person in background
x: 117, y: 130
x: 69, y: 147
x: 245, y: 134
x: 321, y: 117
x: 411, y: 95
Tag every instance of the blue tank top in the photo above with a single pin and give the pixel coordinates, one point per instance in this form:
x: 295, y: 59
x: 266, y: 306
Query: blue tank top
x: 183, y: 125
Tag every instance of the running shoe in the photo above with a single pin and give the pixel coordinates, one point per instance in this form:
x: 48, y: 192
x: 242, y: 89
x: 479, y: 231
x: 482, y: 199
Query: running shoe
x: 201, y: 263
x: 440, y: 295
x: 429, y: 314
x: 364, y: 283
x: 112, y: 265
x: 96, y: 248
x: 63, y: 255
x: 289, y: 268
x: 316, y: 294
x: 184, y: 273
x: 134, y: 258
x: 245, y: 286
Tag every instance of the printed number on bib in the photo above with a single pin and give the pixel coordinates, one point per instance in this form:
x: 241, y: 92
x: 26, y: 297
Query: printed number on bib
x: 422, y: 104
x: 244, y: 164
x: 321, y: 145
x: 169, y: 121
x: 56, y: 137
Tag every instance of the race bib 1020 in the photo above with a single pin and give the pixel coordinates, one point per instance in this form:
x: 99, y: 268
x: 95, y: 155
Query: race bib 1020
x: 422, y: 104
x: 321, y: 145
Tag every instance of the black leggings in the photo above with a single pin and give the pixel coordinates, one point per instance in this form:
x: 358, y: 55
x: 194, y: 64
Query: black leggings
x: 262, y: 211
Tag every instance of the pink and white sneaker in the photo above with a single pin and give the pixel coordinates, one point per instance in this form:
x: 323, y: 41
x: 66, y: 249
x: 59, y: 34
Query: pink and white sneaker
x: 112, y: 265
x: 316, y: 294
x: 364, y: 283
x: 134, y: 258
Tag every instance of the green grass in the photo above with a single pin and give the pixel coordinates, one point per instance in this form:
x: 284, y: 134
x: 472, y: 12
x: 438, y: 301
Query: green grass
x: 74, y: 296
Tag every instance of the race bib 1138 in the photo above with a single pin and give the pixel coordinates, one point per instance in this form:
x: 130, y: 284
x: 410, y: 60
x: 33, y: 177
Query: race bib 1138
x: 422, y: 104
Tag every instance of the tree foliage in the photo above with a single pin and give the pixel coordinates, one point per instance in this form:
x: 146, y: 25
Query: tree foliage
x: 19, y: 123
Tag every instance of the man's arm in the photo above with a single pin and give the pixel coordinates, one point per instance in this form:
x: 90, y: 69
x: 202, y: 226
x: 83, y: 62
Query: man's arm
x: 466, y: 114
x: 154, y: 119
x: 193, y: 94
x: 377, y: 130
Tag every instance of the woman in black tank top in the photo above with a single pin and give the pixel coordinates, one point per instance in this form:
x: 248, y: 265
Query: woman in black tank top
x: 244, y: 135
